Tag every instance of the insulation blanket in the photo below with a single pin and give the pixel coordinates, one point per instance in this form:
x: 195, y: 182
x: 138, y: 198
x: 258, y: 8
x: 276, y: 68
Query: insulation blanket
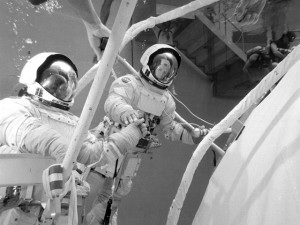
x: 258, y: 179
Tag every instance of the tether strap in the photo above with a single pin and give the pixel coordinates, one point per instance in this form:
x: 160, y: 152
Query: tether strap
x: 56, y: 190
x: 110, y: 200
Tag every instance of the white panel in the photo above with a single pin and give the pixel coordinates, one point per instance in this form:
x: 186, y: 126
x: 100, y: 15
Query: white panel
x: 19, y: 169
x: 258, y: 180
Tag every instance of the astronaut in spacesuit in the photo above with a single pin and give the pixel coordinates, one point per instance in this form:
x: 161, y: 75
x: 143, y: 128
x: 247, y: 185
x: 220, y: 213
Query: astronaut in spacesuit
x: 144, y: 96
x: 39, y: 122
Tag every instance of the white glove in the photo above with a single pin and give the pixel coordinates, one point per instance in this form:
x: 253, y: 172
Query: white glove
x: 201, y: 131
x: 142, y: 126
x: 129, y: 117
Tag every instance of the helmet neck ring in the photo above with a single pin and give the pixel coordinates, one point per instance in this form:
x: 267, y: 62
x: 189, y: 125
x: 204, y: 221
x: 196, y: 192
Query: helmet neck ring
x: 145, y: 73
x: 48, y: 103
x: 38, y: 93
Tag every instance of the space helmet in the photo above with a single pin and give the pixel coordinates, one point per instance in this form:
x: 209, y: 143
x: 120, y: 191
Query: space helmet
x: 50, y: 78
x: 160, y: 64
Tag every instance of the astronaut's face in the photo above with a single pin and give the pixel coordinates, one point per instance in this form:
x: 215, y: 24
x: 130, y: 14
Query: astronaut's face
x: 164, y: 67
x: 163, y: 70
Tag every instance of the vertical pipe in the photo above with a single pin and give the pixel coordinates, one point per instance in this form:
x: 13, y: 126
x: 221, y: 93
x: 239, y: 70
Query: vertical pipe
x: 105, y: 66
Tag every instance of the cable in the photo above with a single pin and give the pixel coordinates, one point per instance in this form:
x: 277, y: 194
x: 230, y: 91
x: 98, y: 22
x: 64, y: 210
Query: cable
x: 190, y: 111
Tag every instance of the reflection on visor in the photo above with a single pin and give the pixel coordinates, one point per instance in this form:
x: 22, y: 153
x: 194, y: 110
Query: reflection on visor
x: 164, y: 67
x: 60, y: 80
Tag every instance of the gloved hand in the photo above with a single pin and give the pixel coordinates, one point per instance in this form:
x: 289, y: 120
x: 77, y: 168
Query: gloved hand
x: 124, y: 140
x: 129, y: 117
x: 129, y: 136
x: 142, y: 126
x: 201, y: 131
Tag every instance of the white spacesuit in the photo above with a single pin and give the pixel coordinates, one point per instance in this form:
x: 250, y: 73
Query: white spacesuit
x: 132, y: 97
x: 39, y: 122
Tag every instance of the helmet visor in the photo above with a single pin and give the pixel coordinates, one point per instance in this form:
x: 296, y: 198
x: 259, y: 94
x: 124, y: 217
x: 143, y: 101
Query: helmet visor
x: 164, y: 67
x: 60, y: 80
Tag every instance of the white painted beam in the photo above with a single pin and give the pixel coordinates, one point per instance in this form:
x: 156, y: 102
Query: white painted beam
x: 162, y: 8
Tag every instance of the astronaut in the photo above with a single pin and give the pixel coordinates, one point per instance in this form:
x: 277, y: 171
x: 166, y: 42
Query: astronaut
x: 258, y: 57
x: 144, y: 96
x: 282, y: 47
x: 39, y: 122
